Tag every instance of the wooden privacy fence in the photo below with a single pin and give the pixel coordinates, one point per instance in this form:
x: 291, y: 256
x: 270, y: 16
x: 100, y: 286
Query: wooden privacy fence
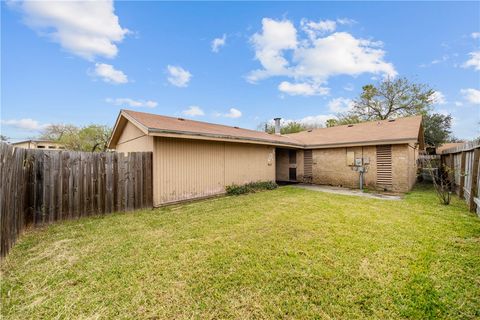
x: 464, y: 161
x: 40, y: 186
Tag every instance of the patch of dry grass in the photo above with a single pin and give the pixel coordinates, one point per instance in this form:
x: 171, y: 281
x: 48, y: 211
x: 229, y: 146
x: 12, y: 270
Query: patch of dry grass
x: 288, y: 253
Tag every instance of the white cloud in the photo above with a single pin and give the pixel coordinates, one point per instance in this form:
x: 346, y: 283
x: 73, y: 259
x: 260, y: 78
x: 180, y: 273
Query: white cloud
x: 340, y: 53
x: 302, y: 89
x: 314, y: 59
x: 474, y: 61
x: 320, y: 119
x: 314, y: 29
x: 276, y: 36
x: 178, y: 76
x: 193, y: 111
x: 340, y: 105
x: 109, y: 74
x: 438, y: 98
x: 217, y: 43
x: 233, y: 113
x: 346, y: 21
x: 25, y: 124
x: 132, y: 103
x: 475, y: 35
x: 471, y: 95
x: 458, y: 103
x: 311, y: 121
x: 444, y: 58
x: 84, y: 28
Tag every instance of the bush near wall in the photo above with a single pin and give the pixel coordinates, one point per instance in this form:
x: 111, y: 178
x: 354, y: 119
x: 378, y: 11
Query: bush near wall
x: 235, y: 190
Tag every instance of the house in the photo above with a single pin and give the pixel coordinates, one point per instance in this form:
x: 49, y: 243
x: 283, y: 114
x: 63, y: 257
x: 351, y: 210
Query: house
x: 38, y: 144
x: 439, y: 150
x: 193, y: 159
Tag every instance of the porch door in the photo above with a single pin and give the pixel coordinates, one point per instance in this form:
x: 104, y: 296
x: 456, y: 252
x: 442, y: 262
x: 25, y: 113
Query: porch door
x: 292, y: 165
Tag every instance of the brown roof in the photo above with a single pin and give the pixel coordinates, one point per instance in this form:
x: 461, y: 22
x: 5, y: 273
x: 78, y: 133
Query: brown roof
x: 375, y: 132
x: 162, y: 124
x: 401, y: 130
x: 446, y: 146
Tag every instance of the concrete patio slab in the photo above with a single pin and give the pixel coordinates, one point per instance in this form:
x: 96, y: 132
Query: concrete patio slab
x: 345, y: 191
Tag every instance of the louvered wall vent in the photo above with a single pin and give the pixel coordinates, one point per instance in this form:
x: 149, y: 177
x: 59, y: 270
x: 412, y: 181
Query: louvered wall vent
x: 307, y: 165
x: 384, y: 167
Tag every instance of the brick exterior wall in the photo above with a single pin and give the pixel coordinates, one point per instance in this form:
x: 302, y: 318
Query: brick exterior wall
x: 330, y: 167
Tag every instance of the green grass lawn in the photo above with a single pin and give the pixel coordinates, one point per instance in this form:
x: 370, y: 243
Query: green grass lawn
x: 288, y: 253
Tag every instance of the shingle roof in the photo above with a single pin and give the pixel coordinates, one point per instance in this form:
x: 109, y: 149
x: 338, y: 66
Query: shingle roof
x: 446, y: 146
x: 158, y: 123
x: 377, y: 132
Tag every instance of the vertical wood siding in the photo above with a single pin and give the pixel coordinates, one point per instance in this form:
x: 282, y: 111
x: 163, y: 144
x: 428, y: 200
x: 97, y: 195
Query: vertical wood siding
x: 188, y: 169
x: 246, y: 163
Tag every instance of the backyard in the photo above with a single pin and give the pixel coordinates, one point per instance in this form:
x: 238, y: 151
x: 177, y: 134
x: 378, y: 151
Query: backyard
x: 287, y: 253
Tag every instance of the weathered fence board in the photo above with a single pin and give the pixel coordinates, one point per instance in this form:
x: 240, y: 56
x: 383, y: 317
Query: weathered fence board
x: 466, y: 172
x: 42, y: 186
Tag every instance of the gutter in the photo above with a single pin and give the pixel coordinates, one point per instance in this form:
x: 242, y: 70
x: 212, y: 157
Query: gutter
x: 358, y: 143
x: 290, y: 144
x: 227, y: 137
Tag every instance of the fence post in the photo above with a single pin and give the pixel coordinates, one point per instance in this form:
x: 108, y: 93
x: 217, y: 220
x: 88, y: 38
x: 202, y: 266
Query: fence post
x: 43, y: 186
x: 462, y: 174
x: 473, y: 188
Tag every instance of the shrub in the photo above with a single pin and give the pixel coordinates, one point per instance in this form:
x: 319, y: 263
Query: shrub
x: 235, y: 190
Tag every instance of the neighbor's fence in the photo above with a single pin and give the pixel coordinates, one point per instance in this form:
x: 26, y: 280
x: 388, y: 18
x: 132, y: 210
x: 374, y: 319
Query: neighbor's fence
x: 424, y: 162
x: 464, y: 161
x: 40, y: 186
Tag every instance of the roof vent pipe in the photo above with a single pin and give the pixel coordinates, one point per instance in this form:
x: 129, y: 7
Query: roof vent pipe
x: 277, y: 125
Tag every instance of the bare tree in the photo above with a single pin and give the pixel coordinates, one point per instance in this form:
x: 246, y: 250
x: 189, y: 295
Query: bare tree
x: 443, y: 181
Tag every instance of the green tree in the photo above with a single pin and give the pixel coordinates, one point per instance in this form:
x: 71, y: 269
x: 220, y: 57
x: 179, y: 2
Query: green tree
x: 285, y: 128
x: 391, y: 98
x: 437, y: 129
x: 331, y: 123
x: 55, y: 132
x: 342, y: 120
x: 90, y: 138
x: 288, y: 127
x: 3, y: 138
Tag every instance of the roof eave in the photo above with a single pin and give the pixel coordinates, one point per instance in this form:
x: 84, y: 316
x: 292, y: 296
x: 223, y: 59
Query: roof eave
x: 359, y: 143
x: 112, y: 142
x: 215, y: 137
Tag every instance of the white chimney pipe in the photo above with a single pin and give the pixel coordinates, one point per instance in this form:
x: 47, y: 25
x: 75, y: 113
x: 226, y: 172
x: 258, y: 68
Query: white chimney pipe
x: 277, y: 125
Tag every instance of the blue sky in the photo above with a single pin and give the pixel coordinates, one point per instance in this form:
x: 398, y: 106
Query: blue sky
x: 229, y: 62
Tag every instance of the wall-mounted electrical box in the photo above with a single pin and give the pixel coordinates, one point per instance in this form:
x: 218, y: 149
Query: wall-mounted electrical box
x: 358, y: 162
x: 366, y: 160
